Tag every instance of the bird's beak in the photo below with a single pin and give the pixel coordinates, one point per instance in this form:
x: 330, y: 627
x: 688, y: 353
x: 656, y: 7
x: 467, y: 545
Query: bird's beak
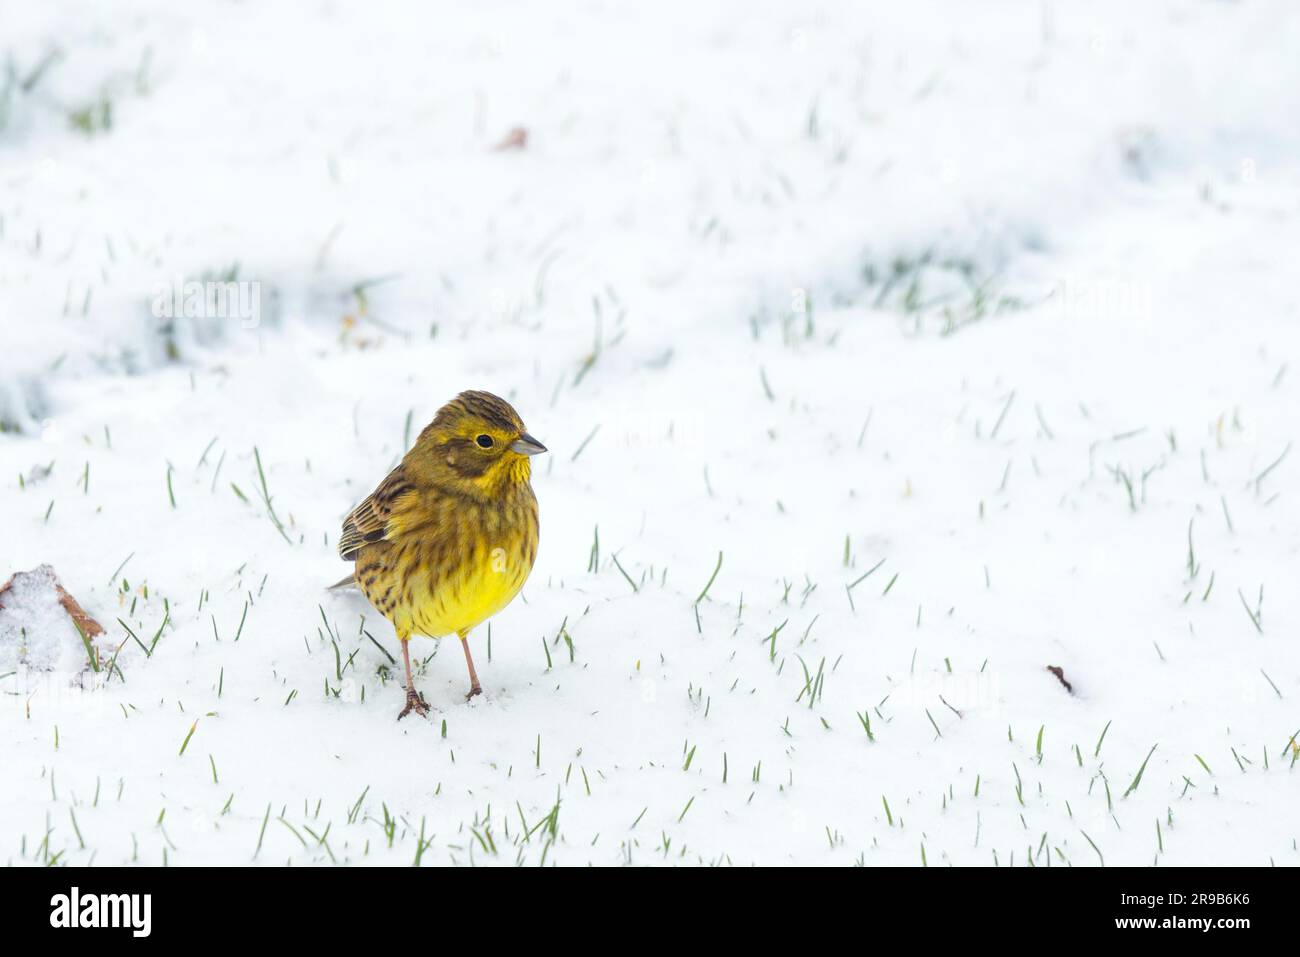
x: 527, y: 445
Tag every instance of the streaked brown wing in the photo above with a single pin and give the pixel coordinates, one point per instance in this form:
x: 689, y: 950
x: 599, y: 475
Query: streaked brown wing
x: 370, y: 521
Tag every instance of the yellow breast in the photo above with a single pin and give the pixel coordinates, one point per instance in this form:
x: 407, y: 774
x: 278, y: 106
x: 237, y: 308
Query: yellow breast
x: 453, y: 566
x: 475, y: 592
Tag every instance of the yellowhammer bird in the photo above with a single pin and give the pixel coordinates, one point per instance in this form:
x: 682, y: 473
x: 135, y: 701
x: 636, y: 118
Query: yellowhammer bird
x: 448, y: 538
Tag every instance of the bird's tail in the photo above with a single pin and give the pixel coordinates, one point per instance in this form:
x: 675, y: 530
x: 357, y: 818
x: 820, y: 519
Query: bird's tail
x: 348, y: 582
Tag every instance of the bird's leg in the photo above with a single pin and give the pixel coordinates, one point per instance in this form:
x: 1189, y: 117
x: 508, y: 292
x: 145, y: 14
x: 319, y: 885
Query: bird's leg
x: 414, y: 700
x: 474, y: 687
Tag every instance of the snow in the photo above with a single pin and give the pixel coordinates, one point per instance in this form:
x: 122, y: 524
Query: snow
x: 814, y: 287
x: 36, y: 633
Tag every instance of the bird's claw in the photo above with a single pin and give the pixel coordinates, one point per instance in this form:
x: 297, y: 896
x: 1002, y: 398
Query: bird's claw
x: 472, y: 692
x: 414, y: 702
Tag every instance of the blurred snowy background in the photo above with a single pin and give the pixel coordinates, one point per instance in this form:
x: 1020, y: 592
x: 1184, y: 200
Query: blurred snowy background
x: 966, y: 334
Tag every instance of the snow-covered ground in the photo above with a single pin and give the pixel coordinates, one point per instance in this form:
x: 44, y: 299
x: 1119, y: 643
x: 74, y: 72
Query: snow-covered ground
x: 965, y: 334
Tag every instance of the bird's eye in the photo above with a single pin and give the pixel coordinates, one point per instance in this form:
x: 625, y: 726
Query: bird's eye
x: 484, y: 441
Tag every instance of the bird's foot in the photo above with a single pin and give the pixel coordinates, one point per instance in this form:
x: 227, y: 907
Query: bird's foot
x: 414, y: 702
x: 474, y: 689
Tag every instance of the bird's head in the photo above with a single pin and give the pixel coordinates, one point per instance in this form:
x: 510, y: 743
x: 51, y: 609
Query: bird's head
x: 478, y: 443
